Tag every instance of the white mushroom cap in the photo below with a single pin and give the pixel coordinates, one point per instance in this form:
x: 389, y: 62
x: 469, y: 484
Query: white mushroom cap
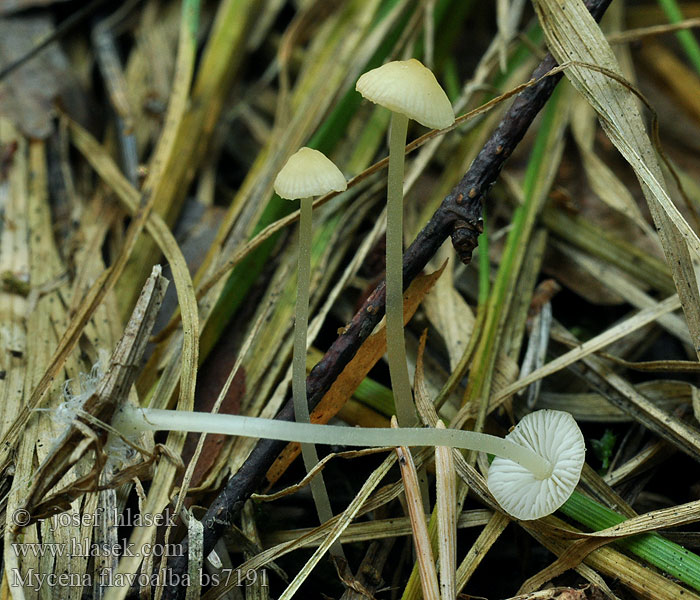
x: 410, y: 88
x: 307, y: 173
x: 555, y: 436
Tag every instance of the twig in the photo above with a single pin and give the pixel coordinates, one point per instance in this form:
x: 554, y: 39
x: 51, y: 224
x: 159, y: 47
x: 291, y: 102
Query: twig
x: 459, y: 216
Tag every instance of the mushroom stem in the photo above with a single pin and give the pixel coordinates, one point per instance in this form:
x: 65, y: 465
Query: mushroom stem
x: 396, y: 346
x: 301, y: 317
x: 301, y: 322
x: 130, y: 420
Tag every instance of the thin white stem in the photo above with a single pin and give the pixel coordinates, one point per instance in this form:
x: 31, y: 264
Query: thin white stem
x: 130, y: 420
x: 395, y: 344
x: 301, y: 323
x: 301, y: 317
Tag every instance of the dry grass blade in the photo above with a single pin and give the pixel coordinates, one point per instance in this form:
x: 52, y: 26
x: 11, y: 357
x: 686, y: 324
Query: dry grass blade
x: 186, y: 368
x: 624, y: 37
x: 631, y: 401
x: 593, y: 345
x: 646, y: 583
x: 448, y: 311
x: 573, y: 35
x: 14, y: 260
x: 340, y: 524
x: 379, y: 529
x: 623, y: 394
x: 610, y: 247
x: 587, y: 593
x: 613, y: 279
x: 111, y: 391
x: 416, y: 513
x: 606, y: 185
x: 488, y: 536
x: 651, y: 521
x: 43, y: 325
x: 182, y: 142
x: 87, y: 308
x: 446, y: 506
x: 105, y: 167
x: 195, y: 531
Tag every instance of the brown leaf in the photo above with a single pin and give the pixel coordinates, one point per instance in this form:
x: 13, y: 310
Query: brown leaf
x: 211, y: 380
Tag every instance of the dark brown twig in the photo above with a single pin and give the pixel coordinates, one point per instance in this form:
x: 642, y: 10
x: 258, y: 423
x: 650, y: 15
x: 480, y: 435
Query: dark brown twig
x: 459, y: 216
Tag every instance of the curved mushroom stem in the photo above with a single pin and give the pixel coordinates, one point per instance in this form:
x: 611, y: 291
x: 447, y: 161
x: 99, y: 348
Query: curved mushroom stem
x: 301, y: 322
x: 130, y: 420
x: 395, y: 343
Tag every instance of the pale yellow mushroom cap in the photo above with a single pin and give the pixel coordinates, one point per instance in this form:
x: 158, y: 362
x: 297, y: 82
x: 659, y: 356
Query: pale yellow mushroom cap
x: 307, y: 173
x: 554, y: 435
x: 410, y: 88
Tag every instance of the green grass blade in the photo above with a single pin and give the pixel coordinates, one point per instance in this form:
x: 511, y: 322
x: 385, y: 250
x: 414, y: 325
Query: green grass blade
x: 668, y: 556
x: 685, y: 37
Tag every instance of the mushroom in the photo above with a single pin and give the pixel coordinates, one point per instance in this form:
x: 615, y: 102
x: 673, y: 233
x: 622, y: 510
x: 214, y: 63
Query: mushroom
x: 307, y: 173
x: 410, y: 91
x: 537, y: 465
x: 555, y: 436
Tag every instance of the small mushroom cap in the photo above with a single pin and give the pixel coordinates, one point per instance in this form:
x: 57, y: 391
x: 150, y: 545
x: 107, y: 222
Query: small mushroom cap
x: 410, y: 88
x: 554, y: 435
x: 307, y: 173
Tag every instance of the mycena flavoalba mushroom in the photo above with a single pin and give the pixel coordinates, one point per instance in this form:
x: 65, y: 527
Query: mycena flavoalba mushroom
x: 410, y: 91
x: 307, y: 173
x: 537, y: 465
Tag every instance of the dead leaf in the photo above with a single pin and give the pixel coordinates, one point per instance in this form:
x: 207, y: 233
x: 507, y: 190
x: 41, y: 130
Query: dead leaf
x: 212, y: 377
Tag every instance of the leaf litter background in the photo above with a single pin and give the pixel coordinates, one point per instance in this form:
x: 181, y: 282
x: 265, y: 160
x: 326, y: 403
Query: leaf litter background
x: 152, y: 132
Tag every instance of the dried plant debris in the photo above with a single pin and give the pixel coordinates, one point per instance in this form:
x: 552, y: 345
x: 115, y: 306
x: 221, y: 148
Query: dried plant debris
x: 95, y: 407
x: 9, y: 7
x: 551, y: 254
x: 28, y: 96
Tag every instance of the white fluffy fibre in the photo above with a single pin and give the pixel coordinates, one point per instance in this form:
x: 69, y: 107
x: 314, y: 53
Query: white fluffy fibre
x: 74, y: 397
x: 555, y: 436
x: 73, y: 400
